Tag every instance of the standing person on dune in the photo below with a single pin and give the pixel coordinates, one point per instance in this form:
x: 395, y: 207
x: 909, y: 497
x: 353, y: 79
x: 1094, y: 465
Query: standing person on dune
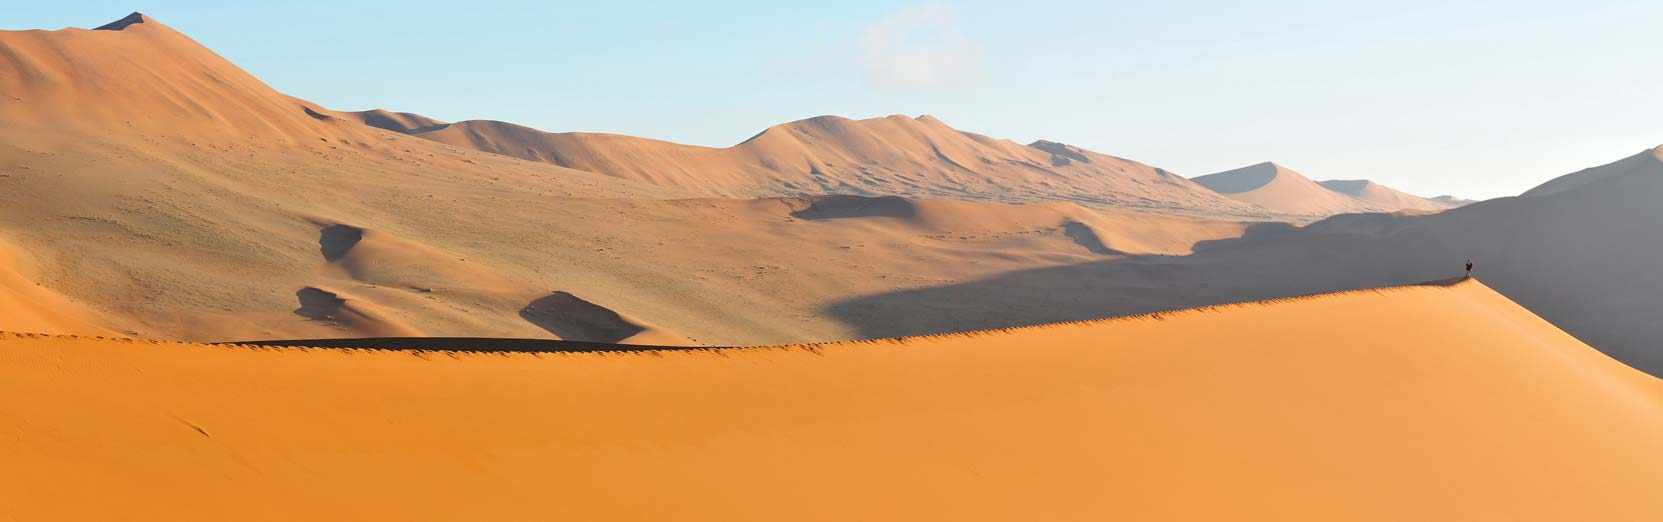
x: 1469, y: 267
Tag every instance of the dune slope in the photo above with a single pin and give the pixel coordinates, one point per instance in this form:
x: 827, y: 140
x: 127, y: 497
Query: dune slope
x: 1387, y: 198
x: 1282, y: 190
x: 1413, y: 403
x: 180, y: 197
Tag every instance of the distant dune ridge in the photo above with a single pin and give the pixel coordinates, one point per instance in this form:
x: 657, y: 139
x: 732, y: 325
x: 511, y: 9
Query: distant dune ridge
x: 1426, y: 402
x: 1387, y: 198
x: 1284, y: 191
x: 895, y: 155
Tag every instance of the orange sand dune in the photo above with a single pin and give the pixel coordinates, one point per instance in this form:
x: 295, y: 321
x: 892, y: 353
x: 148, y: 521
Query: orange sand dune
x: 1414, y: 403
x: 895, y: 155
x: 1387, y: 198
x: 1282, y: 190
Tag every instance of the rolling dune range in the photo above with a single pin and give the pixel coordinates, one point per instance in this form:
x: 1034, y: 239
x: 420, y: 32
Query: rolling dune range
x: 165, y: 193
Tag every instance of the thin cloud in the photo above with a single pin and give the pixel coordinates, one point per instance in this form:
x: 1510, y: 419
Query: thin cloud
x: 917, y: 46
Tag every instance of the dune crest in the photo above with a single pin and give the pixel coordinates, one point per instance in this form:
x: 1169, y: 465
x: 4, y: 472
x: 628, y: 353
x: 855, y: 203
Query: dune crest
x: 1331, y: 407
x: 1282, y: 190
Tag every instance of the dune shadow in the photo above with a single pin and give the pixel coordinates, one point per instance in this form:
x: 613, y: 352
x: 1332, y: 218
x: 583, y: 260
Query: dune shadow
x: 1226, y: 271
x: 848, y: 207
x: 471, y: 344
x: 318, y: 304
x: 334, y: 241
x: 1084, y: 236
x: 573, y: 318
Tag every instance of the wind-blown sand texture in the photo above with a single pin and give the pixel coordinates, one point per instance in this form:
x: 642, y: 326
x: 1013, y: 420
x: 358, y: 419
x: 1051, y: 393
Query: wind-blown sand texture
x: 1427, y: 402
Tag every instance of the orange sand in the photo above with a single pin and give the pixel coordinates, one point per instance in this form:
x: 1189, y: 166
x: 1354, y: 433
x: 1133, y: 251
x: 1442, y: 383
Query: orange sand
x: 1413, y: 403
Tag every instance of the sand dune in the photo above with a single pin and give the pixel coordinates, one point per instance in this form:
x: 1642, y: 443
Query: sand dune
x: 141, y: 76
x: 1647, y: 162
x: 1417, y: 403
x: 895, y: 155
x: 1282, y: 190
x: 202, y: 221
x: 1387, y: 198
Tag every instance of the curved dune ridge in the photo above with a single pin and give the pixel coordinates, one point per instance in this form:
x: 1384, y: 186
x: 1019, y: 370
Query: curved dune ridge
x: 1443, y: 402
x: 1282, y: 190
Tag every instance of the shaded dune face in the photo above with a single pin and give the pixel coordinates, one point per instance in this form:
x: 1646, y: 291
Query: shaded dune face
x: 334, y: 241
x: 573, y: 318
x: 848, y: 207
x: 318, y: 304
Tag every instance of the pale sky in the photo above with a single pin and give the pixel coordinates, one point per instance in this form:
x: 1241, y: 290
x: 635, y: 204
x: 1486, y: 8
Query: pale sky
x: 1477, y: 99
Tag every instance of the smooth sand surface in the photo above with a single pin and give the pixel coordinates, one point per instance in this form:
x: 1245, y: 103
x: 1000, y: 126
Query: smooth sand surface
x: 1282, y: 190
x: 1415, y: 403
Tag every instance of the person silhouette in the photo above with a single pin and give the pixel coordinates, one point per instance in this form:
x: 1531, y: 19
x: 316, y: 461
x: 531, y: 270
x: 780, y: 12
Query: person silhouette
x: 1469, y: 267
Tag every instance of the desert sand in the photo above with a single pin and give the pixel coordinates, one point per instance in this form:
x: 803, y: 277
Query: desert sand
x: 918, y: 157
x: 1441, y: 401
x: 153, y: 189
x: 166, y: 193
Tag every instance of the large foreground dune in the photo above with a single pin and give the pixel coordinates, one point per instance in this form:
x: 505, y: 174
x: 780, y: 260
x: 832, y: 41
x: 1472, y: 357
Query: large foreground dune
x: 1434, y: 402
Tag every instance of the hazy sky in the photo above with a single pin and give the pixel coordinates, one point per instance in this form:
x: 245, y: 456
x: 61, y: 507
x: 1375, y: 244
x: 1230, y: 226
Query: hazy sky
x: 1471, y: 98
